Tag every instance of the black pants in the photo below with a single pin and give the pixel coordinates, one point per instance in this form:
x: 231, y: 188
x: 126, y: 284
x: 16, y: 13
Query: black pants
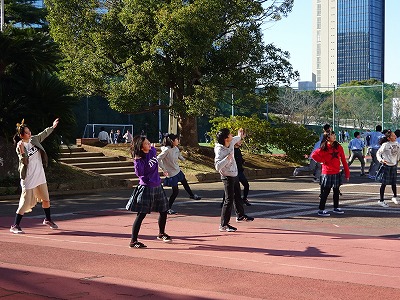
x: 324, y: 195
x: 243, y: 180
x: 175, y: 192
x: 232, y: 197
x: 162, y: 221
x: 382, y: 191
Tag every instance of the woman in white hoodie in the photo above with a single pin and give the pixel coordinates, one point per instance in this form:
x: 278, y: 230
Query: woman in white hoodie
x: 168, y: 162
x: 388, y: 155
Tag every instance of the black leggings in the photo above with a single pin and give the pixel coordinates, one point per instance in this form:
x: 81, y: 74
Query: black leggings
x: 175, y: 192
x: 162, y: 221
x: 382, y: 191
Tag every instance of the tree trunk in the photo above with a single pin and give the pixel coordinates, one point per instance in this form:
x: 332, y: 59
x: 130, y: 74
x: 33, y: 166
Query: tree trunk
x: 188, y: 131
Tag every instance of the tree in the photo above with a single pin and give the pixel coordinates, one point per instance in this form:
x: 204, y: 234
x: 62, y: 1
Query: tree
x: 24, y: 13
x: 132, y: 51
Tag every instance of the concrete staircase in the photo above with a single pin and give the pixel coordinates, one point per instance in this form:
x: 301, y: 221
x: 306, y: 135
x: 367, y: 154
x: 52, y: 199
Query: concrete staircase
x: 119, y: 168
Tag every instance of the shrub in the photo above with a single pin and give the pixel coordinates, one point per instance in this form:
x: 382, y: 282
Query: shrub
x: 256, y: 140
x: 295, y: 140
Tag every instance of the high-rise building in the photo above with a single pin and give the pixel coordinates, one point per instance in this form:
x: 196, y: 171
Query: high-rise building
x: 348, y: 41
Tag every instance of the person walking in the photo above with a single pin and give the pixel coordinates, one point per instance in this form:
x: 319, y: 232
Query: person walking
x: 32, y: 160
x: 330, y: 155
x: 357, y: 150
x: 388, y: 155
x: 150, y: 195
x: 374, y: 138
x: 168, y: 162
x: 225, y: 164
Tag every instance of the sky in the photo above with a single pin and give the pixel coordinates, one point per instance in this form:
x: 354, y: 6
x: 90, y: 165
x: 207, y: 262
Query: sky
x: 294, y: 34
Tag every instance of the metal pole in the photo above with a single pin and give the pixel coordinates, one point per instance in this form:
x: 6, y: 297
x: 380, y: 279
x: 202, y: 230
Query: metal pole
x: 333, y: 109
x: 382, y: 109
x: 2, y: 15
x: 233, y: 112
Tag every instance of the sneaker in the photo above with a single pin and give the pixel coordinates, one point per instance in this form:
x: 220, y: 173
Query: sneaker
x: 371, y: 177
x: 171, y: 212
x: 51, y: 224
x: 323, y: 213
x: 362, y: 174
x: 195, y: 197
x: 244, y: 218
x: 227, y: 228
x: 338, y: 211
x: 16, y: 229
x: 245, y: 201
x: 316, y: 180
x: 383, y: 204
x: 394, y: 200
x: 296, y: 172
x: 164, y: 237
x: 137, y: 244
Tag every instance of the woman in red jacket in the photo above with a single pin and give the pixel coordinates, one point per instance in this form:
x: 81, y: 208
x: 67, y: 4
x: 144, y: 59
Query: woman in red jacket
x: 330, y: 154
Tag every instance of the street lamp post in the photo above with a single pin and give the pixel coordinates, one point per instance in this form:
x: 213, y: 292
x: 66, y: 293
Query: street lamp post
x: 2, y: 15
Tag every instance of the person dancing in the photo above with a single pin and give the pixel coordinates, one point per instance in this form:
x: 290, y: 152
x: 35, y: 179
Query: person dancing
x: 32, y: 159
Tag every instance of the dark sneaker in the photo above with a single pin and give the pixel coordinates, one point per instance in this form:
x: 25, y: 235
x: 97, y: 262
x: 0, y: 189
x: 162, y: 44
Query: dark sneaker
x: 137, y: 245
x: 171, y: 212
x: 227, y: 228
x: 51, y: 224
x: 323, y: 213
x: 16, y: 229
x: 195, y: 197
x: 244, y: 218
x: 245, y: 201
x: 164, y: 237
x: 338, y: 211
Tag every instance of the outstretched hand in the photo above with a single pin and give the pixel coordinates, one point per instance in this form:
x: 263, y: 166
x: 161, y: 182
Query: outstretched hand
x: 241, y: 133
x: 55, y: 123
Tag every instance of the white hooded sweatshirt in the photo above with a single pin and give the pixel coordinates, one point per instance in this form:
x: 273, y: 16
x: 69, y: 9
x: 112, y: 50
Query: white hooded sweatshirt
x: 225, y: 166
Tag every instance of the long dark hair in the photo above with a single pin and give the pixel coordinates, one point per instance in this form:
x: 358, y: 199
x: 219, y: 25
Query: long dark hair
x: 324, y: 142
x: 136, y: 146
x: 169, y: 139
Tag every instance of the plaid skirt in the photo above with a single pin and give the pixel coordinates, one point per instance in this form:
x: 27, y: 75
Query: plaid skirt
x: 174, y: 180
x: 389, y: 175
x: 150, y: 199
x: 331, y: 180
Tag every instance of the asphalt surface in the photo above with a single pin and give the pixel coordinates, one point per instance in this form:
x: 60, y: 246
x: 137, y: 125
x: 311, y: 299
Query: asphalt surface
x: 287, y: 252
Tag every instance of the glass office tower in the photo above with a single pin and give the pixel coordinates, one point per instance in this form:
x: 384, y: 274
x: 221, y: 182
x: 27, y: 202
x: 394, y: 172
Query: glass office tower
x: 348, y: 42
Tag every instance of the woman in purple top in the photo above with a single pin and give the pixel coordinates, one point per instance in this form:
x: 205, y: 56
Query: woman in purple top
x: 150, y: 195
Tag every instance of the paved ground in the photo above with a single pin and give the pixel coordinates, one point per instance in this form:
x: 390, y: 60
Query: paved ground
x: 286, y: 253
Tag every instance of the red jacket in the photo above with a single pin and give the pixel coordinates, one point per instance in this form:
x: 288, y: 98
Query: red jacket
x: 330, y: 160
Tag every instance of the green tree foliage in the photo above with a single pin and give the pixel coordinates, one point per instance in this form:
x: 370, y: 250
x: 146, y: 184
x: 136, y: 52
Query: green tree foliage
x: 23, y: 13
x: 131, y: 51
x: 29, y: 88
x: 257, y: 131
x: 295, y: 140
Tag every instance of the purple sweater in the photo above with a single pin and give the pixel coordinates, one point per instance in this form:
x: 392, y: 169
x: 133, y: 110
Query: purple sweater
x: 147, y: 169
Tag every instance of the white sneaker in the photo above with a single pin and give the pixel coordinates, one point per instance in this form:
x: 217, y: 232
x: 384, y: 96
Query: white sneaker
x: 394, y: 200
x: 171, y: 212
x: 295, y: 172
x: 383, y: 204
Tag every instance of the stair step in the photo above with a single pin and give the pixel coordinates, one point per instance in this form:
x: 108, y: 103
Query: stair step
x: 126, y: 176
x: 113, y: 169
x: 81, y: 154
x: 73, y: 149
x: 105, y: 164
x: 78, y: 160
